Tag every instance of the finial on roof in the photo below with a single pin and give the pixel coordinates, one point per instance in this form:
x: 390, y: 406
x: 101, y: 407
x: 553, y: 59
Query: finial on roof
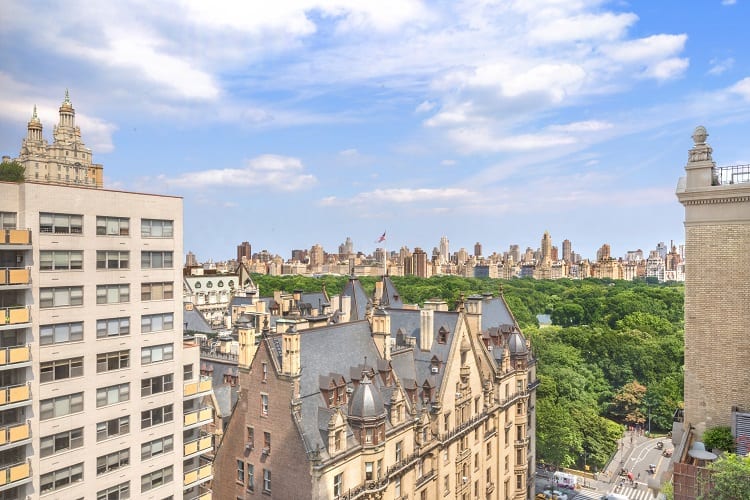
x: 67, y: 97
x: 34, y: 116
x: 700, y: 135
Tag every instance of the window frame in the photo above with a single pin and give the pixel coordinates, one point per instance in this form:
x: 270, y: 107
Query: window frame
x: 74, y: 296
x: 166, y: 443
x: 147, y: 322
x: 165, y: 225
x: 53, y: 442
x: 109, y: 229
x: 74, y: 475
x: 112, y: 461
x: 166, y: 414
x: 112, y: 259
x: 103, y: 428
x: 57, y: 369
x: 157, y: 385
x: 164, y: 476
x: 147, y: 354
x: 113, y: 294
x: 104, y: 361
x: 166, y: 259
x: 61, y: 223
x: 60, y: 260
x: 164, y: 290
x: 107, y: 323
x: 74, y: 405
x: 120, y: 393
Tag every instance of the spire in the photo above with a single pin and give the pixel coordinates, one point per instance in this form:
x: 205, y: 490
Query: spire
x: 67, y: 97
x: 34, y: 116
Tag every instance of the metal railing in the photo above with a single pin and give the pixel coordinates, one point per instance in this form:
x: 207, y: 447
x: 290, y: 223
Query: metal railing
x: 734, y: 174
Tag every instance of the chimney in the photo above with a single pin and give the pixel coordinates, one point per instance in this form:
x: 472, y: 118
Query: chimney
x: 426, y: 333
x: 381, y: 331
x: 290, y: 350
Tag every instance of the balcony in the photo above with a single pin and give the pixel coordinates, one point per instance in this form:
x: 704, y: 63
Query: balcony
x: 14, y: 434
x: 15, y: 237
x: 13, y: 396
x: 197, y: 476
x: 197, y: 418
x: 16, y: 277
x: 15, y: 357
x: 16, y: 315
x: 198, y: 446
x: 735, y: 174
x: 198, y: 388
x: 14, y: 475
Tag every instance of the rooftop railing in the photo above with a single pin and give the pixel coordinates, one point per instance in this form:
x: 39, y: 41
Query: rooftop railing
x: 735, y: 174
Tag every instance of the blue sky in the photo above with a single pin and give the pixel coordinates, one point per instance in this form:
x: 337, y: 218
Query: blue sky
x: 292, y: 123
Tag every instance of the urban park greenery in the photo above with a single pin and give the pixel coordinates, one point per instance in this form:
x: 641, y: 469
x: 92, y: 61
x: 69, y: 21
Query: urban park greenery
x: 613, y: 356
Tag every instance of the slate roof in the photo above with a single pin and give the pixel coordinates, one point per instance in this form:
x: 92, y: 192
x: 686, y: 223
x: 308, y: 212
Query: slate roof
x: 495, y: 312
x: 195, y: 321
x: 391, y: 297
x: 360, y: 300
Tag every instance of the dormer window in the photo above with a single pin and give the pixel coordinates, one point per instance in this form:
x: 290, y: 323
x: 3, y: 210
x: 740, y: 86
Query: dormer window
x: 368, y: 435
x: 442, y: 335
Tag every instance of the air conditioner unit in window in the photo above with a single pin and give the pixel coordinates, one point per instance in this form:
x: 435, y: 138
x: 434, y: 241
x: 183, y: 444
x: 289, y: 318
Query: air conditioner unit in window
x: 489, y: 347
x: 266, y: 451
x: 249, y: 446
x: 435, y: 369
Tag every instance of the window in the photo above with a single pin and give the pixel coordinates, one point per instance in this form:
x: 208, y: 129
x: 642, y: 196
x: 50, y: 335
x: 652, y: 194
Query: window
x: 156, y: 479
x: 267, y: 442
x: 155, y: 228
x: 156, y: 385
x: 63, y: 441
x: 489, y: 449
x: 112, y: 226
x: 157, y: 447
x: 519, y: 482
x: 265, y: 372
x: 60, y: 260
x: 112, y: 394
x: 368, y: 435
x: 115, y: 360
x: 241, y: 471
x: 157, y: 291
x: 61, y: 405
x: 61, y: 296
x: 112, y: 259
x: 519, y: 408
x: 266, y: 481
x: 157, y: 322
x: 118, y: 492
x: 398, y: 451
x: 368, y: 471
x: 519, y: 457
x: 519, y: 432
x: 112, y: 294
x: 156, y: 260
x: 250, y: 477
x: 60, y: 223
x: 156, y: 416
x: 397, y: 486
x: 250, y: 437
x: 380, y: 468
x: 337, y: 439
x: 156, y: 353
x: 187, y: 372
x: 112, y: 461
x: 112, y: 327
x: 338, y: 481
x: 7, y: 220
x: 61, y: 478
x: 111, y: 428
x: 264, y: 405
x: 446, y: 485
x: 61, y: 369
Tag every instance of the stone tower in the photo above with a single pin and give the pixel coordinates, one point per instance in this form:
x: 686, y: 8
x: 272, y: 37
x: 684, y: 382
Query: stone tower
x: 717, y: 287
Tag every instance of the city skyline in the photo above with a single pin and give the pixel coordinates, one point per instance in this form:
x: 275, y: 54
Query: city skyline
x: 485, y: 123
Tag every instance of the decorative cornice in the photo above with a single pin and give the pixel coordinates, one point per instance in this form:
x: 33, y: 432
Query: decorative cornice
x: 714, y: 201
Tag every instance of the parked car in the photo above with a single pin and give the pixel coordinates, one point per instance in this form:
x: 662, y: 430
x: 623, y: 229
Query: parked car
x: 555, y: 495
x: 667, y: 453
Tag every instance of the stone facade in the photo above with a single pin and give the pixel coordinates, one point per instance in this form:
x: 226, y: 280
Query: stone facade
x: 717, y: 287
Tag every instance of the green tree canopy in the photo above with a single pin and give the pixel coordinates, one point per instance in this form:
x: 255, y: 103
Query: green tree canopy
x: 729, y: 479
x: 12, y: 171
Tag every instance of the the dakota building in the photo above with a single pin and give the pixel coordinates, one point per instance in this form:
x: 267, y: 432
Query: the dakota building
x: 405, y: 403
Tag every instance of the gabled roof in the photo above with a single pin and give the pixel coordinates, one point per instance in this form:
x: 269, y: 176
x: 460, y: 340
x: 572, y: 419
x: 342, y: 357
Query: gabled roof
x: 391, y: 297
x: 359, y: 298
x: 495, y: 312
x: 194, y: 321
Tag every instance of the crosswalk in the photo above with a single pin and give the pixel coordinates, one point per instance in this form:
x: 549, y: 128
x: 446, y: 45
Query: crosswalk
x: 640, y: 493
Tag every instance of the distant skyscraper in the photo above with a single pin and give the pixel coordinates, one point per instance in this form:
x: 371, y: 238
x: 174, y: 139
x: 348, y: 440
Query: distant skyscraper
x: 191, y: 260
x: 663, y: 249
x: 477, y: 249
x: 546, y: 247
x: 316, y: 256
x: 515, y: 253
x: 244, y: 251
x: 604, y: 253
x: 418, y: 265
x: 445, y: 255
x: 554, y: 256
x: 347, y: 248
x: 567, y: 251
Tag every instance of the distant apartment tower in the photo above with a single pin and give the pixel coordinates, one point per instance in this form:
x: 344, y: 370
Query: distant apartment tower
x: 317, y: 257
x: 604, y: 253
x: 567, y: 251
x: 546, y: 247
x: 417, y: 264
x: 244, y: 251
x: 477, y: 249
x: 445, y: 252
x: 191, y: 260
x: 98, y: 400
x: 717, y: 293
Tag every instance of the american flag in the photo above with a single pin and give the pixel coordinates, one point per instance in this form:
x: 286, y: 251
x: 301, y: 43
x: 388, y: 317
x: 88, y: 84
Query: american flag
x: 381, y: 239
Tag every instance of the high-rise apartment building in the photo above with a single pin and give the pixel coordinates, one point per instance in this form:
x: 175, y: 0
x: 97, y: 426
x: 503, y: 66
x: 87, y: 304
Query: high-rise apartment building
x: 546, y: 247
x: 717, y: 294
x: 244, y: 251
x: 445, y: 252
x: 567, y: 252
x: 477, y: 249
x: 97, y: 397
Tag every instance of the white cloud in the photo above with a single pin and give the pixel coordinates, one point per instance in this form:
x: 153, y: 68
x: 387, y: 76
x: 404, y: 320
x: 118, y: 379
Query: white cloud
x: 719, y: 66
x: 608, y: 26
x: 425, y: 106
x: 728, y: 2
x: 667, y: 69
x: 742, y: 88
x: 448, y: 163
x: 403, y: 196
x: 484, y: 139
x: 584, y: 126
x: 275, y: 172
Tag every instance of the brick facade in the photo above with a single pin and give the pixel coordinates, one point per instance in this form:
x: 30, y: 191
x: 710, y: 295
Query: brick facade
x: 290, y: 476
